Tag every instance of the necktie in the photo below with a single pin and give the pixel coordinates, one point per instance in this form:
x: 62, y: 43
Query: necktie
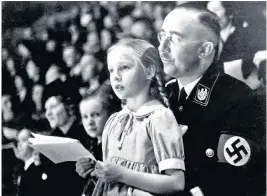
x: 182, y: 96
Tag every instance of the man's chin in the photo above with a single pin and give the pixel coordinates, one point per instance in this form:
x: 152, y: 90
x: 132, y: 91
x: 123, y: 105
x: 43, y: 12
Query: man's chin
x: 170, y: 71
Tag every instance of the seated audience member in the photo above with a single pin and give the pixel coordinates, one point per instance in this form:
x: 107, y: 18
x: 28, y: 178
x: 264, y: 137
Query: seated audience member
x: 31, y: 177
x: 61, y: 102
x: 23, y: 86
x: 12, y: 121
x: 77, y: 33
x: 53, y: 73
x: 33, y: 72
x: 125, y: 24
x: 141, y: 29
x: 11, y: 66
x: 95, y: 109
x: 108, y: 37
x: 92, y: 74
x: 71, y: 57
x: 39, y: 121
x: 259, y: 60
x: 234, y: 40
x: 93, y: 45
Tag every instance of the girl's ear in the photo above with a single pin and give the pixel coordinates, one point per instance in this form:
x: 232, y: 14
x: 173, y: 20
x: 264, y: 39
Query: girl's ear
x: 150, y: 72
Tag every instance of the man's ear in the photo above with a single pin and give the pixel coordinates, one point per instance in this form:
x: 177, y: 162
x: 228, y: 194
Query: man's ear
x: 206, y: 49
x: 150, y: 72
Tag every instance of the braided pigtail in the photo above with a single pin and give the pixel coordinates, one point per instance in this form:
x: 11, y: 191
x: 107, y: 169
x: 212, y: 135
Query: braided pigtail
x: 160, y: 88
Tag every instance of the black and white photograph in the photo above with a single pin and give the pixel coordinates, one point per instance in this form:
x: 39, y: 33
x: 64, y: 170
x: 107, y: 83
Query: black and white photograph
x: 133, y: 98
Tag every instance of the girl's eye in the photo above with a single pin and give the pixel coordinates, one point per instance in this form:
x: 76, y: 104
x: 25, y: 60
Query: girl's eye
x: 84, y: 116
x: 110, y: 70
x: 96, y: 114
x: 124, y: 67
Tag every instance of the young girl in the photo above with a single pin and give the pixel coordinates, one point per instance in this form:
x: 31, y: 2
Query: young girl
x: 142, y: 144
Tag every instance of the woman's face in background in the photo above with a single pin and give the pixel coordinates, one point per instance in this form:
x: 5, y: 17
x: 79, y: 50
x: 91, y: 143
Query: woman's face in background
x: 10, y: 65
x: 106, y: 39
x: 32, y: 70
x: 37, y: 93
x: 23, y: 50
x: 19, y: 83
x: 218, y: 8
x: 4, y: 54
x: 88, y: 65
x: 69, y: 56
x: 6, y: 104
x: 56, y: 112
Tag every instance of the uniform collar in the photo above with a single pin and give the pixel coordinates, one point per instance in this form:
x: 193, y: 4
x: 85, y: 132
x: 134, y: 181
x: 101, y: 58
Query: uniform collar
x: 202, y: 92
x: 189, y: 87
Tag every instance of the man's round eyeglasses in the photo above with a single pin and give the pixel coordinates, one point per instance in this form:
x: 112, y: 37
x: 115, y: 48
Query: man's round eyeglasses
x: 174, y: 38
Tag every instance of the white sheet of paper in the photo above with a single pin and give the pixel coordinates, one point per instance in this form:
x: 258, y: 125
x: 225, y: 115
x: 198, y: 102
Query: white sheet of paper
x: 59, y: 149
x: 233, y: 68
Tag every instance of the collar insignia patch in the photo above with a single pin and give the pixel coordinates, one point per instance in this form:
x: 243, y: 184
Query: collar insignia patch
x: 202, y: 95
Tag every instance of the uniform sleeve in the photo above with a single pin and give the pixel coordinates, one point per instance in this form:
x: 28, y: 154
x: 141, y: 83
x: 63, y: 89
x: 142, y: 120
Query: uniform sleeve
x: 241, y: 152
x: 167, y: 140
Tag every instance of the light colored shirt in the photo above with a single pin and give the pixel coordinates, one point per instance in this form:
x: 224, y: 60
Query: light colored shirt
x: 189, y: 87
x: 28, y: 163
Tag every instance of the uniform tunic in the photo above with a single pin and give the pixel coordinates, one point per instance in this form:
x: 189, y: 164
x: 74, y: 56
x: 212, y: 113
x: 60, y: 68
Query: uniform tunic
x: 224, y: 150
x: 148, y: 140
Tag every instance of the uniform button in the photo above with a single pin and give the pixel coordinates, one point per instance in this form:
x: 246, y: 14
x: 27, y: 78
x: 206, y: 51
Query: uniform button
x: 181, y: 108
x: 209, y: 152
x: 44, y: 176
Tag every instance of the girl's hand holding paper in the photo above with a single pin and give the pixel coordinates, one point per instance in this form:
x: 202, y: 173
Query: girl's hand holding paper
x: 85, y: 166
x: 108, y: 172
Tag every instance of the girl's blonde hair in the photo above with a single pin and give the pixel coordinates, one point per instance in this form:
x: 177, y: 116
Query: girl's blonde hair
x: 148, y: 57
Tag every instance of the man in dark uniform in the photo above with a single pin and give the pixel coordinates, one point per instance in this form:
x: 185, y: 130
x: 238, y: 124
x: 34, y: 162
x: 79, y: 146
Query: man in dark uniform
x: 224, y: 148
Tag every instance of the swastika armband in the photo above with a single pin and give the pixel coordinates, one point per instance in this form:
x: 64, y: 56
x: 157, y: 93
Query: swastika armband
x: 235, y: 150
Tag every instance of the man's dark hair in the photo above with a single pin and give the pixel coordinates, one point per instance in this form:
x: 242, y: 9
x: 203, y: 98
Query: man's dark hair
x: 206, y: 17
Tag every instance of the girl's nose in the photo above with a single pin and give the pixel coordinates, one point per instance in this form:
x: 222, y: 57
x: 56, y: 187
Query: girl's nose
x: 117, y: 76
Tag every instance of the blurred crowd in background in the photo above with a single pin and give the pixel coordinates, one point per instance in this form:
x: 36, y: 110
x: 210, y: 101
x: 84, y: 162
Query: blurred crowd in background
x: 70, y: 44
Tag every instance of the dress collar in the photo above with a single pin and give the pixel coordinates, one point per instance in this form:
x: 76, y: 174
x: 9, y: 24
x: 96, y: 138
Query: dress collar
x: 144, y: 110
